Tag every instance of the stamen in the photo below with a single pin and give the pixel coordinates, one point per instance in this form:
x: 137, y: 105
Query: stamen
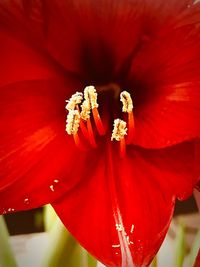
x: 73, y: 122
x: 85, y: 110
x: 75, y: 100
x: 119, y: 131
x: 84, y: 129
x: 91, y: 134
x: 82, y: 125
x: 131, y: 126
x: 122, y: 148
x: 90, y: 95
x: 79, y: 113
x: 90, y: 103
x: 77, y: 140
x: 127, y: 102
x: 98, y: 121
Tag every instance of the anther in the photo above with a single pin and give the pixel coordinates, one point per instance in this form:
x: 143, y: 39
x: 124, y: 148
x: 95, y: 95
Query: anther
x: 82, y: 125
x: 90, y: 103
x: 73, y: 122
x: 75, y: 100
x: 85, y: 110
x: 127, y: 102
x: 90, y: 95
x: 119, y: 132
x: 127, y: 107
x: 72, y: 126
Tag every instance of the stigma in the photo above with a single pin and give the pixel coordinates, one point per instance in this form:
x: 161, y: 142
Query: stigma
x: 83, y: 118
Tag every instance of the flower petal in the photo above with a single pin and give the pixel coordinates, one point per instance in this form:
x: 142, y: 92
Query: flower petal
x: 94, y: 32
x: 165, y: 80
x: 21, y: 60
x: 97, y: 42
x: 102, y: 39
x: 122, y: 211
x: 37, y: 158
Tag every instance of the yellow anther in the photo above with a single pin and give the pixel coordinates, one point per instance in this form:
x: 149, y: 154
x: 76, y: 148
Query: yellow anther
x: 75, y: 99
x: 119, y: 130
x: 90, y: 95
x: 85, y: 110
x: 127, y: 102
x: 73, y: 122
x: 90, y: 102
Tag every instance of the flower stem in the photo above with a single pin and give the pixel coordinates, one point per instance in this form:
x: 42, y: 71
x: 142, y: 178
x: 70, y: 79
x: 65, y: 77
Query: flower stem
x: 195, y: 249
x: 180, y: 246
x: 49, y: 217
x: 7, y: 258
x: 63, y: 250
x: 154, y: 262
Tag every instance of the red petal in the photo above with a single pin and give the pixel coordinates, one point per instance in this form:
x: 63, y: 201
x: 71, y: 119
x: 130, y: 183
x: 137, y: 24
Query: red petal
x: 101, y: 40
x: 167, y: 96
x: 22, y: 61
x: 139, y: 190
x: 197, y: 261
x: 35, y: 152
x: 90, y: 35
x: 97, y: 41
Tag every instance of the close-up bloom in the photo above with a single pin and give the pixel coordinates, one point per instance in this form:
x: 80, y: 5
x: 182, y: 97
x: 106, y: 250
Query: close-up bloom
x: 99, y: 116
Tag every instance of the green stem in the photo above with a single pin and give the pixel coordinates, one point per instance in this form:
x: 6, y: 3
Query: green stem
x: 180, y: 246
x: 49, y: 217
x: 154, y: 262
x: 63, y: 250
x: 195, y: 249
x: 7, y: 258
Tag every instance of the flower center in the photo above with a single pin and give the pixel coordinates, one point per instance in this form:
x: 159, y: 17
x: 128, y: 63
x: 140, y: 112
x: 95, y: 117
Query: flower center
x: 82, y: 107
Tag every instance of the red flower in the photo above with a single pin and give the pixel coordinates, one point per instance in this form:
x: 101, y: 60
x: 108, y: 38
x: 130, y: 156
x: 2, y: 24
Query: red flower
x: 117, y: 203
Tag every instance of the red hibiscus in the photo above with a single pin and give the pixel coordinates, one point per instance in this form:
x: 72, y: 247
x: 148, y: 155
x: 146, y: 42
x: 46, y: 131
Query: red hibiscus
x: 119, y: 208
